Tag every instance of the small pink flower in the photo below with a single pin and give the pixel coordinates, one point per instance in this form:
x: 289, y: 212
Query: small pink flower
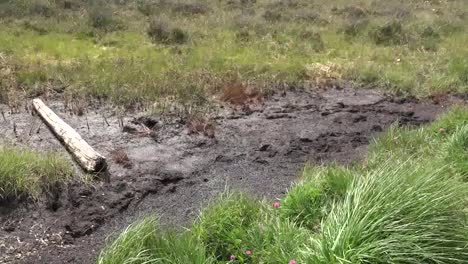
x: 292, y: 261
x: 276, y: 204
x: 248, y: 252
x: 232, y: 257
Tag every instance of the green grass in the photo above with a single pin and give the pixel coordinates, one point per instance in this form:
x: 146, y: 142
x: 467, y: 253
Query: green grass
x: 456, y: 152
x: 311, y: 199
x: 24, y: 173
x: 406, y: 203
x: 222, y: 226
x: 398, y: 213
x: 145, y: 242
x: 103, y: 50
x: 424, y: 144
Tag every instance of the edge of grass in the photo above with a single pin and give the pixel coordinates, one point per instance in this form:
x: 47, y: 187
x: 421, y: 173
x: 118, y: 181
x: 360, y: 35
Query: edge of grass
x: 26, y: 173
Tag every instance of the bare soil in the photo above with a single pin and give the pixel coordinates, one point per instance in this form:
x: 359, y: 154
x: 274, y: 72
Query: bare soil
x: 159, y: 165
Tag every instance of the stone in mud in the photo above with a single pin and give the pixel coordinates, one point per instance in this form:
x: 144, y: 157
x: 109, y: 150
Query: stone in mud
x: 264, y: 147
x: 149, y: 122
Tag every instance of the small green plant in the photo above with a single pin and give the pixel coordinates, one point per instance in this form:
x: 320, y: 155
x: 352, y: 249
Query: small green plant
x: 25, y: 173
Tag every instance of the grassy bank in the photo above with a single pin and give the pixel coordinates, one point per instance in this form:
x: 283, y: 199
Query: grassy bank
x: 143, y: 50
x: 406, y: 203
x: 24, y: 173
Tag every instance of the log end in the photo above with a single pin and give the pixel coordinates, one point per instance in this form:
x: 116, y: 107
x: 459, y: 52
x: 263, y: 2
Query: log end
x: 100, y: 165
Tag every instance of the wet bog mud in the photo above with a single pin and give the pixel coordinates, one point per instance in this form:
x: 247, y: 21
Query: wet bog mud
x: 162, y: 165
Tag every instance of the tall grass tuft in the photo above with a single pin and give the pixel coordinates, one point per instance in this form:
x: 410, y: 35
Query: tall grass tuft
x: 222, y: 226
x: 28, y: 173
x: 133, y: 245
x: 398, y: 213
x: 273, y: 239
x: 309, y: 200
x: 146, y: 242
x: 456, y: 152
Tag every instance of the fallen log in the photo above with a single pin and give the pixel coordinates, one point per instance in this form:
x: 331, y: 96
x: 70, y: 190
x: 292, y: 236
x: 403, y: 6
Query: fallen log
x: 87, y: 157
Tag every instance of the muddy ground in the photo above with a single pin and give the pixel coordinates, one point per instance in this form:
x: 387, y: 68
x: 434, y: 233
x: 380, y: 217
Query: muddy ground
x: 259, y: 149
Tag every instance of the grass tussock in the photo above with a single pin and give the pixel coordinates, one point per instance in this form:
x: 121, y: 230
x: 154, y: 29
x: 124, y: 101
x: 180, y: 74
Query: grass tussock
x: 396, y: 214
x: 311, y: 199
x: 117, y: 49
x: 146, y: 242
x: 405, y: 204
x: 24, y: 173
x: 222, y: 226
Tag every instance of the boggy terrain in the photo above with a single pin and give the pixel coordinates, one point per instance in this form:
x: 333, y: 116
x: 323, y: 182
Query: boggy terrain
x: 163, y: 165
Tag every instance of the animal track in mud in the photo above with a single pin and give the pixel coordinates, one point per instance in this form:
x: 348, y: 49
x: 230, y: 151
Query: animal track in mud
x: 325, y: 146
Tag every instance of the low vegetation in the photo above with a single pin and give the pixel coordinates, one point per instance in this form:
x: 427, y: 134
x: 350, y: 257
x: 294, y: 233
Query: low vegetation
x: 24, y: 173
x: 406, y: 203
x: 144, y: 51
x: 160, y: 32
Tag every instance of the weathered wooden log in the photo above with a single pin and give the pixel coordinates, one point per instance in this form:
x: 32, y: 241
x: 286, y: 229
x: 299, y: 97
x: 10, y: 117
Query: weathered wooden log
x: 87, y: 157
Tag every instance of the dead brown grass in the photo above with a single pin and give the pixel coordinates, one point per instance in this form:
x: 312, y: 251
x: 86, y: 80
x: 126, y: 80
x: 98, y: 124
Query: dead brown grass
x: 238, y: 94
x: 119, y: 156
x: 200, y: 125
